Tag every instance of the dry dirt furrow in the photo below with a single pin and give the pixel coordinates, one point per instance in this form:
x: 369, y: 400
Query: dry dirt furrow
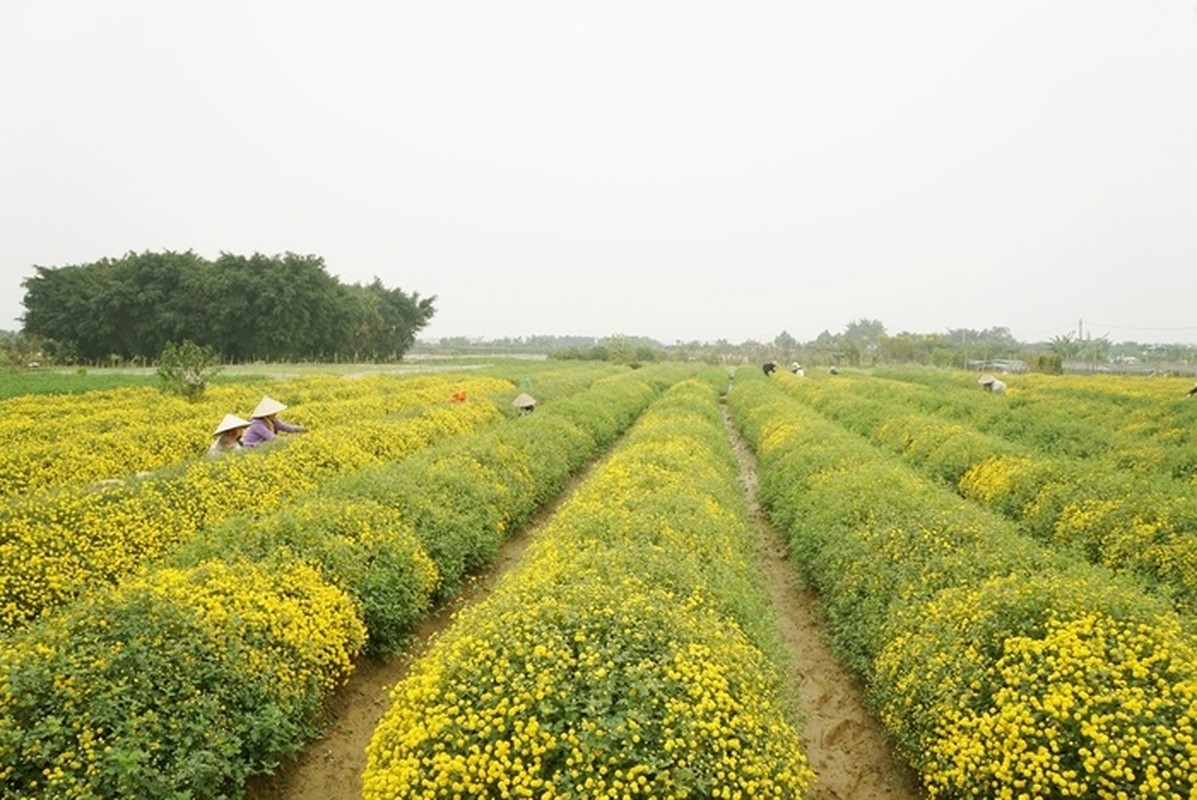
x: 846, y: 745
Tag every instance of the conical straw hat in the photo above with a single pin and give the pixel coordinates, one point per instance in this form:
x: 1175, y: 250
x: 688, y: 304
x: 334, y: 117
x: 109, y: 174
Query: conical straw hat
x: 230, y: 423
x: 268, y: 406
x: 523, y: 400
x: 985, y: 379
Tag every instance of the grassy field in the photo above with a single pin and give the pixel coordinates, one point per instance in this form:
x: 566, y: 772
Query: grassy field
x: 78, y: 381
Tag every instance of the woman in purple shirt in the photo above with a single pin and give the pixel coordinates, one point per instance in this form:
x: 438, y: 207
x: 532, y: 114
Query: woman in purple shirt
x: 265, y: 425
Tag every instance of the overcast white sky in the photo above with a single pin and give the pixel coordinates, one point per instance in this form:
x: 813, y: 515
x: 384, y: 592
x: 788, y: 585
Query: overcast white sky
x: 680, y: 170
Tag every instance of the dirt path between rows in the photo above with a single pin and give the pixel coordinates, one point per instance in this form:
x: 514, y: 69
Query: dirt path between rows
x: 845, y: 745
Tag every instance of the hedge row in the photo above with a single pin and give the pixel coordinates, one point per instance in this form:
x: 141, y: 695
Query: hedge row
x: 1000, y: 667
x: 624, y: 657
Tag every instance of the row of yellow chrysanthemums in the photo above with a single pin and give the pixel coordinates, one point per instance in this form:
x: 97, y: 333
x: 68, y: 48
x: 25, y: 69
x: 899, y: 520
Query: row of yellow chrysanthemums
x: 1002, y: 668
x: 1143, y: 424
x: 60, y: 440
x: 1130, y: 521
x: 57, y: 544
x: 626, y: 654
x: 196, y: 673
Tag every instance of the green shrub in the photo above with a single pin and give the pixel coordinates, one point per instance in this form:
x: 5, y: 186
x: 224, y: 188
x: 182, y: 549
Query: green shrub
x: 185, y: 368
x: 177, y: 685
x: 987, y: 668
x: 363, y: 548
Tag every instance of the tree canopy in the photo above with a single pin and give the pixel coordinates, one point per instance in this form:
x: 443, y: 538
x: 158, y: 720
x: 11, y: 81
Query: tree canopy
x: 281, y: 307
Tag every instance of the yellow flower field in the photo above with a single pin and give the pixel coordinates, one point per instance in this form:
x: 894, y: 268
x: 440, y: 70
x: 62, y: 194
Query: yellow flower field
x: 1096, y: 465
x: 56, y: 544
x: 1002, y: 668
x: 621, y: 659
x: 65, y: 440
x: 195, y: 672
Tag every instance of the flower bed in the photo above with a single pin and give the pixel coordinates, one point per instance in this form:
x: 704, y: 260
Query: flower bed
x: 626, y: 656
x: 1001, y: 668
x: 193, y: 674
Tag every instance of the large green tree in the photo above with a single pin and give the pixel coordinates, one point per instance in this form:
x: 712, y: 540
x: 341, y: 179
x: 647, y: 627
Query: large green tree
x: 282, y: 307
x: 387, y: 320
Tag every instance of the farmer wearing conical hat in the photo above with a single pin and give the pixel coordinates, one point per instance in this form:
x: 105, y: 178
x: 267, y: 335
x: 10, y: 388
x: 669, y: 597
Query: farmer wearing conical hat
x: 992, y: 384
x: 525, y: 403
x: 227, y: 435
x: 265, y: 424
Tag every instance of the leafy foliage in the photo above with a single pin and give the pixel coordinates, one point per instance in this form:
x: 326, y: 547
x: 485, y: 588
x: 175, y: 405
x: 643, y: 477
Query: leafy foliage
x: 282, y: 307
x: 186, y: 368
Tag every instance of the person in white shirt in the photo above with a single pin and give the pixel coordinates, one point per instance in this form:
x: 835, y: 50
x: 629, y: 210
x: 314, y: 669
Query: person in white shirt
x: 992, y: 384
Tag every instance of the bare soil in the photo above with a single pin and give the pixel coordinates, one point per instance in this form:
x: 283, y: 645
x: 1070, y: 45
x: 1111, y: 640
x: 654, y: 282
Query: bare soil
x: 846, y: 746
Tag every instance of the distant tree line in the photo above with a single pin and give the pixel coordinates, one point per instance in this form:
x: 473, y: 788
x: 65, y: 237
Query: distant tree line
x: 865, y: 343
x: 617, y: 348
x: 245, y: 308
x: 862, y: 343
x: 542, y: 344
x: 287, y: 307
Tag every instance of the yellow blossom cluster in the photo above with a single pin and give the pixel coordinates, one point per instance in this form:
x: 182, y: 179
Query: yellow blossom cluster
x: 1001, y: 667
x: 69, y: 439
x: 995, y: 477
x: 175, y: 684
x: 55, y: 544
x: 366, y: 549
x: 1093, y: 708
x: 622, y: 658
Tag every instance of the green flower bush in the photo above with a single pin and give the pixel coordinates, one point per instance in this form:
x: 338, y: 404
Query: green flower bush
x: 363, y: 548
x: 177, y: 685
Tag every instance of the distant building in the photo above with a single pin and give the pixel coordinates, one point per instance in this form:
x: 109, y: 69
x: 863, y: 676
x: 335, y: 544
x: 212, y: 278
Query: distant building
x: 999, y: 365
